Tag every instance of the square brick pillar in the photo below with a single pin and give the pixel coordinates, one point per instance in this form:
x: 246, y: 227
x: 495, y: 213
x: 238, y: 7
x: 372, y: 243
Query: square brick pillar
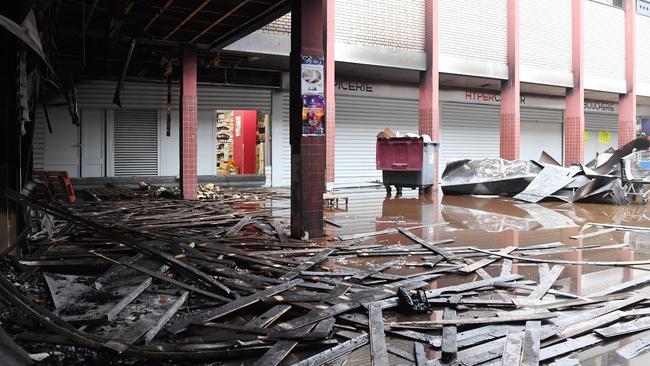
x: 509, y: 129
x: 188, y: 112
x: 429, y: 114
x: 330, y: 101
x: 627, y: 101
x: 308, y: 153
x: 574, y: 118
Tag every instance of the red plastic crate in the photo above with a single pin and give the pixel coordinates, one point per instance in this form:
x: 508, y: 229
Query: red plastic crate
x: 400, y: 154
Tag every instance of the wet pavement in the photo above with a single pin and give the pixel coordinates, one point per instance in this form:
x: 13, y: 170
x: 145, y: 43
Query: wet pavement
x: 498, y: 222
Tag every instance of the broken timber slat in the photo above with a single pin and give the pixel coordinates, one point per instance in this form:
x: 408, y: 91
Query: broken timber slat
x: 281, y: 349
x: 378, y: 351
x: 230, y: 307
x: 420, y: 354
x: 486, y: 261
x: 531, y: 345
x: 512, y: 350
x: 238, y: 226
x: 160, y: 323
x: 321, y: 256
x: 570, y: 345
x: 130, y: 335
x: 126, y: 300
x: 400, y: 352
x: 622, y: 286
x: 449, y: 346
x: 447, y: 255
x: 506, y: 268
x: 277, y: 226
x: 268, y: 317
x: 435, y: 324
x: 335, y: 352
x: 546, y: 282
x: 559, y: 261
x: 625, y: 328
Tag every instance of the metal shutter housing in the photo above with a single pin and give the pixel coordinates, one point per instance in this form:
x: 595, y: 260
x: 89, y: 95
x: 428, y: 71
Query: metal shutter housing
x: 541, y: 130
x: 358, y: 120
x: 468, y: 131
x: 135, y: 142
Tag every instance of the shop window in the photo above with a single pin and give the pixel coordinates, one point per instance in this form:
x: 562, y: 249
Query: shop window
x: 240, y: 141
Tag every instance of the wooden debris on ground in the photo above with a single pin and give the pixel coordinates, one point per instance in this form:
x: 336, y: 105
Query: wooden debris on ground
x: 220, y: 278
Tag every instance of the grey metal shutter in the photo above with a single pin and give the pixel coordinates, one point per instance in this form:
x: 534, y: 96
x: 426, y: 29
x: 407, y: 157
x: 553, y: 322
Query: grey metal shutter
x: 468, y: 131
x: 358, y: 120
x: 282, y: 166
x: 38, y: 144
x: 541, y: 130
x: 601, y: 122
x: 135, y: 142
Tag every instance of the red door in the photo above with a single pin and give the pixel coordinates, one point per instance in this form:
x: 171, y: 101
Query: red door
x: 243, y: 146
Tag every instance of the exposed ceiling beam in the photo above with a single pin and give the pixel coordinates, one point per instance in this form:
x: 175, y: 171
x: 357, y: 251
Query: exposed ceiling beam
x: 273, y: 12
x: 187, y: 19
x: 216, y: 22
x: 158, y: 14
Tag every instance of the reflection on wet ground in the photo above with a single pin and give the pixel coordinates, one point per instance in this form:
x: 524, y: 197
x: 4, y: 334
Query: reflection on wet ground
x: 497, y: 222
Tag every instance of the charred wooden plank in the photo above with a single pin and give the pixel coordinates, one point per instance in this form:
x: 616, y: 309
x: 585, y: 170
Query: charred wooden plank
x: 633, y: 349
x: 428, y: 245
x: 230, y: 307
x: 420, y: 354
x: 238, y: 226
x: 486, y: 261
x: 168, y: 314
x: 531, y: 345
x: 546, y: 282
x: 335, y: 352
x: 378, y: 351
x: 512, y: 350
x: 305, y: 265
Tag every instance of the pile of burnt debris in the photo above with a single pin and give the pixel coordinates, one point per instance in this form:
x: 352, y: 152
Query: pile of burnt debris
x: 613, y: 177
x: 163, y: 280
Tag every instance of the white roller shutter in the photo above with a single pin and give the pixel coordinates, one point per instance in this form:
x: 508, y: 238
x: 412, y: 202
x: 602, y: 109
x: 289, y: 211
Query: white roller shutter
x: 135, y: 142
x: 541, y: 130
x: 594, y: 124
x: 281, y: 163
x: 358, y: 119
x: 468, y: 131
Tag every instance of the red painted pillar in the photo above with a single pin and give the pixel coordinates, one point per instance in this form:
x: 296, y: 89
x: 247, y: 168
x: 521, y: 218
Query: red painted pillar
x: 510, y: 94
x: 429, y: 118
x: 330, y: 101
x: 627, y: 101
x: 574, y: 119
x: 307, y: 149
x: 188, y: 125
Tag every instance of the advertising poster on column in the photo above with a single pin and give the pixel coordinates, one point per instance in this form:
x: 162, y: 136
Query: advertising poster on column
x: 313, y: 99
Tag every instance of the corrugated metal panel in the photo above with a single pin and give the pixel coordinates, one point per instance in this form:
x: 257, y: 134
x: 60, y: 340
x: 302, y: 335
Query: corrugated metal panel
x: 140, y: 95
x: 601, y: 121
x: 282, y: 166
x: 541, y: 130
x: 545, y: 34
x: 604, y: 41
x: 135, y: 142
x: 38, y: 145
x: 642, y: 48
x: 358, y: 119
x: 474, y: 29
x: 468, y: 131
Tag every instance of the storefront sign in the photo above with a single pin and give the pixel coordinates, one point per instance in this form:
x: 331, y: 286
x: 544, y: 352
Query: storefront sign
x: 486, y: 96
x: 313, y: 96
x: 362, y: 87
x: 599, y: 106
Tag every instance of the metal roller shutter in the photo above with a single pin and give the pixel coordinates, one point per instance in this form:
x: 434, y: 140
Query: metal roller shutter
x: 358, y: 119
x: 468, y: 131
x: 541, y: 130
x: 594, y: 123
x: 282, y: 166
x: 135, y: 142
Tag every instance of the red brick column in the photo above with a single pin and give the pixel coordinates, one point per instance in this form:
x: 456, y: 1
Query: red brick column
x: 574, y: 119
x: 188, y: 126
x: 308, y: 154
x: 429, y: 117
x: 330, y: 91
x: 627, y: 102
x: 510, y: 95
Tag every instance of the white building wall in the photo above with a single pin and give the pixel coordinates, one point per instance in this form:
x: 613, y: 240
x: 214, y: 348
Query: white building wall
x: 381, y: 23
x: 643, y: 54
x: 545, y: 41
x: 473, y: 37
x: 604, y: 35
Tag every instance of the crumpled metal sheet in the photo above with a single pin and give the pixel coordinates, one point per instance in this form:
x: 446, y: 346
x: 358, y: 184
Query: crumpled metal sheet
x: 551, y: 179
x: 488, y: 176
x: 608, y: 190
x: 613, y: 163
